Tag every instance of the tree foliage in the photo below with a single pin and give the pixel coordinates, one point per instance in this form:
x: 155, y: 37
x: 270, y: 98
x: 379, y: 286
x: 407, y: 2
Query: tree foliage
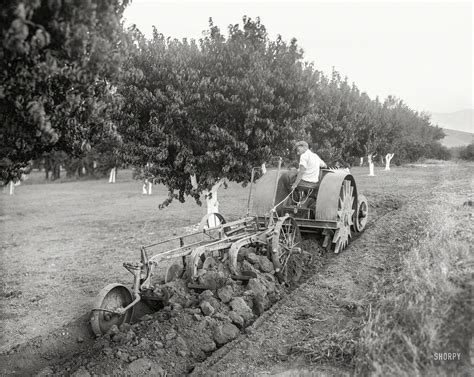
x: 213, y: 108
x: 467, y: 152
x: 346, y: 123
x: 57, y: 62
x: 76, y: 88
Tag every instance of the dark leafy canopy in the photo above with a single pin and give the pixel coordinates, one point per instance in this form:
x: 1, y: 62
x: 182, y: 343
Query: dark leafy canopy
x: 346, y: 123
x: 58, y: 59
x: 214, y: 108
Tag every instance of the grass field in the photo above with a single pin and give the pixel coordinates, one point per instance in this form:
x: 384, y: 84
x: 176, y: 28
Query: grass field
x: 62, y: 242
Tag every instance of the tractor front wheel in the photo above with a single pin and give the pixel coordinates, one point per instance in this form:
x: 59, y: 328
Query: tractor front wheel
x: 285, y: 240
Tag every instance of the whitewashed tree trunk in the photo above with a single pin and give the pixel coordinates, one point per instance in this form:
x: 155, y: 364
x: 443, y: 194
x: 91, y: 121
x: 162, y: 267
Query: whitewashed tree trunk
x: 388, y: 158
x: 112, y: 175
x: 146, y: 188
x: 264, y: 168
x: 12, y: 188
x: 361, y: 161
x: 370, y: 159
x: 213, y: 203
x: 194, y: 183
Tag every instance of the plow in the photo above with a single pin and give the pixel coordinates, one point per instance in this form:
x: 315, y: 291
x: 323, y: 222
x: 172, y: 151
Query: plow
x: 273, y: 225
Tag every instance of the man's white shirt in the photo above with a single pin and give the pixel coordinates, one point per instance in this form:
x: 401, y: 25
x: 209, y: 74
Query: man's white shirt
x: 312, y: 164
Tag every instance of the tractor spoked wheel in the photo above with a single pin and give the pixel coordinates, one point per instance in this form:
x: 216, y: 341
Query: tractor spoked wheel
x: 362, y: 214
x: 345, y: 216
x: 285, y: 250
x: 111, y: 297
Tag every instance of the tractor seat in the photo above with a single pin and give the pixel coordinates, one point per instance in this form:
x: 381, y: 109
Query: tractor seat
x: 307, y: 185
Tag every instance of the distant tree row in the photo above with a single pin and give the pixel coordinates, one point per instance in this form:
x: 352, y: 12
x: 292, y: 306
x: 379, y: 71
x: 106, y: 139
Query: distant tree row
x: 464, y: 153
x: 346, y: 123
x: 76, y: 88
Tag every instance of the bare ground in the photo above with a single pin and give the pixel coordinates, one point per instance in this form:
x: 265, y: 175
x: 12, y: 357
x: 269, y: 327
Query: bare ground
x: 79, y: 233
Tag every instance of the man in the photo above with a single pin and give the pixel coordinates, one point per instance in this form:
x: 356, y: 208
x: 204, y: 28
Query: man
x: 310, y: 163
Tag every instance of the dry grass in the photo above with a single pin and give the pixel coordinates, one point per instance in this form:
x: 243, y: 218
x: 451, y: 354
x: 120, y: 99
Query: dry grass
x: 420, y: 306
x: 426, y: 306
x: 336, y: 348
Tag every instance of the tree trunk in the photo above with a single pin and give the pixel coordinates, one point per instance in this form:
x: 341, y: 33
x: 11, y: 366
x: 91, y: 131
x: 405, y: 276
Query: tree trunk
x: 388, y: 158
x: 370, y: 159
x: 194, y: 183
x: 146, y: 188
x: 56, y: 173
x: 12, y: 188
x: 112, y: 175
x: 361, y: 161
x: 213, y: 203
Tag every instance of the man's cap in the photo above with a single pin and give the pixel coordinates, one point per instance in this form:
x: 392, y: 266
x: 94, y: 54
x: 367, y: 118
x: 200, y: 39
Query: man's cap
x: 301, y: 144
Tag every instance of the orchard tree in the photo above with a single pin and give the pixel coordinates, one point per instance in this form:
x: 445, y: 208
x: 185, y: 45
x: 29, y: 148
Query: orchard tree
x: 58, y: 60
x: 212, y: 109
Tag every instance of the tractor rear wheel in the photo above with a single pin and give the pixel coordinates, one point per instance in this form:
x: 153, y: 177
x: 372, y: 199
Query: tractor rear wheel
x: 345, y: 216
x: 285, y: 240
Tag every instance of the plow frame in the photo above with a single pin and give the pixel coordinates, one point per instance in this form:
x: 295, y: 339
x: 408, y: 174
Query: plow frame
x: 256, y: 229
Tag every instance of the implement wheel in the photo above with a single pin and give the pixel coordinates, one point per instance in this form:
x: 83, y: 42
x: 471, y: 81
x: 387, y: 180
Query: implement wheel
x: 285, y: 240
x: 211, y: 220
x: 345, y: 216
x: 111, y: 297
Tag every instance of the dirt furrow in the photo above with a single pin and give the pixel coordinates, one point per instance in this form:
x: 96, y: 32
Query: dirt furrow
x: 330, y: 302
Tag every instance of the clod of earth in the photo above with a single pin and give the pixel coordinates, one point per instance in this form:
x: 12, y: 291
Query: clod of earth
x: 207, y: 308
x: 225, y: 293
x: 265, y: 264
x: 253, y: 258
x: 225, y: 333
x: 236, y: 319
x: 240, y: 307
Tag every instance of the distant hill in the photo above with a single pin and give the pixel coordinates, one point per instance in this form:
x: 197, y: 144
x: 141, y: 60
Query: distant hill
x: 455, y: 138
x: 462, y: 120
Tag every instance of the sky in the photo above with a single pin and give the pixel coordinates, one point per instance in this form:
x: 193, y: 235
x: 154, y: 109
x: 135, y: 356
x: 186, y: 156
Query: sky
x: 421, y: 52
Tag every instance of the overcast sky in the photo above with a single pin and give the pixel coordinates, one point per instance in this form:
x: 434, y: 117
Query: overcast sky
x: 421, y: 52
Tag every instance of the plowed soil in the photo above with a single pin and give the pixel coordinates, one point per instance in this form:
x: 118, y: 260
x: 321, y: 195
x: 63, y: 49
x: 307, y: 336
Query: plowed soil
x: 61, y: 243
